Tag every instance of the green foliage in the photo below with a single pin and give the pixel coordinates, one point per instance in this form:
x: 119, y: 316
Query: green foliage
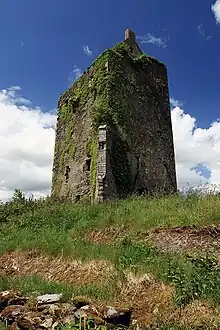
x: 17, y: 206
x: 82, y: 324
x: 108, y: 85
x: 18, y: 196
x: 29, y: 284
x: 65, y: 112
x: 2, y: 326
x: 201, y: 281
x: 146, y: 59
x: 55, y: 226
x: 80, y: 90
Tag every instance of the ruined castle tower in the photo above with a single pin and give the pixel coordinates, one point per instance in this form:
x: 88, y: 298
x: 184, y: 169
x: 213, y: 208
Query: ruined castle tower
x: 114, y: 134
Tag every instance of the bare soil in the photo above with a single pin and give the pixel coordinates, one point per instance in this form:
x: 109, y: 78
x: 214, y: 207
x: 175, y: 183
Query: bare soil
x: 56, y: 269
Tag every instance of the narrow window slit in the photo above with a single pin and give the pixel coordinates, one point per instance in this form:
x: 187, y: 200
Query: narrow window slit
x: 67, y: 173
x: 88, y: 164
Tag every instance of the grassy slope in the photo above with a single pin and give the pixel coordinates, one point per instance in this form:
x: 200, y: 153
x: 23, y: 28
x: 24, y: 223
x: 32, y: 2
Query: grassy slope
x: 58, y: 228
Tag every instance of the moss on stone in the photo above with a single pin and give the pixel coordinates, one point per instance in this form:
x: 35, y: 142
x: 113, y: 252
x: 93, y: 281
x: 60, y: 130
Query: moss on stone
x: 107, y: 83
x: 120, y: 166
x: 106, y: 79
x: 72, y: 150
x: 80, y: 92
x: 145, y: 58
x: 57, y: 188
x: 65, y: 112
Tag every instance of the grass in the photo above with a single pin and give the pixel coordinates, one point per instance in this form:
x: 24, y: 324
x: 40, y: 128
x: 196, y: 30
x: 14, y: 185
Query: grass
x: 48, y: 226
x: 58, y: 228
x: 36, y: 286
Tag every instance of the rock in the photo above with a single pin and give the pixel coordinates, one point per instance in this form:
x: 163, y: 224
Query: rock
x: 25, y: 323
x: 44, y: 308
x: 6, y: 295
x: 10, y: 298
x: 86, y: 311
x: 54, y: 310
x: 66, y: 309
x: 85, y: 308
x: 30, y: 320
x: 3, y: 302
x: 80, y: 314
x: 47, y: 324
x: 80, y: 301
x: 98, y: 320
x: 119, y: 316
x: 49, y: 298
x: 36, y: 320
x: 10, y: 313
x: 111, y: 312
x: 67, y: 319
x: 14, y: 326
x: 17, y: 301
x: 56, y: 325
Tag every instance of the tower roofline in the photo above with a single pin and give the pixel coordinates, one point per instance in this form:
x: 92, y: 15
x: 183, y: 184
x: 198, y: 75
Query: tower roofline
x: 130, y: 35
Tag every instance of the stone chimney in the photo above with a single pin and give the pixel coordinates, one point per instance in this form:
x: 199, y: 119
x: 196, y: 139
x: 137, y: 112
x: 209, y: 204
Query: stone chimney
x: 130, y: 35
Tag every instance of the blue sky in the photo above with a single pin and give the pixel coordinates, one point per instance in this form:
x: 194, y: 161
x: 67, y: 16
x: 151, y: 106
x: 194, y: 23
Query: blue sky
x: 42, y: 41
x: 46, y: 44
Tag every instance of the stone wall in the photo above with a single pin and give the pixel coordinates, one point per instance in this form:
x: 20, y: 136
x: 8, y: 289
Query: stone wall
x: 142, y: 146
x: 114, y: 134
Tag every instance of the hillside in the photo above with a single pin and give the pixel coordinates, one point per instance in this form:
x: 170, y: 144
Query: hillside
x: 155, y: 258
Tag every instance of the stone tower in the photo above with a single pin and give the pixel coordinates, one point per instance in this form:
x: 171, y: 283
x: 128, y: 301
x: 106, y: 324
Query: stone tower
x: 114, y: 134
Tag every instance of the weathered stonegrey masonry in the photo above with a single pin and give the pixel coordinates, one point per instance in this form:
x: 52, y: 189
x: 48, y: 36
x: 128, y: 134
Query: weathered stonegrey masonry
x: 114, y: 134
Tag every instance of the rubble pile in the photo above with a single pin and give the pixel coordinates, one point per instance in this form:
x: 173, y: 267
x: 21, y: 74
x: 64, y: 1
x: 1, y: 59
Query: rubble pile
x: 50, y: 312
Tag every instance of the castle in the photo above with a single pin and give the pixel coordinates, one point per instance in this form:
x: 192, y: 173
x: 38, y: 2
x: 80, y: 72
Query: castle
x: 114, y: 134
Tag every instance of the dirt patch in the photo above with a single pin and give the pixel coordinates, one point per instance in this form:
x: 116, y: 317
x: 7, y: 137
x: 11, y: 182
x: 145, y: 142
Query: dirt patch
x: 56, y: 269
x: 105, y: 236
x: 153, y: 305
x: 187, y: 239
x: 148, y: 298
x: 114, y: 235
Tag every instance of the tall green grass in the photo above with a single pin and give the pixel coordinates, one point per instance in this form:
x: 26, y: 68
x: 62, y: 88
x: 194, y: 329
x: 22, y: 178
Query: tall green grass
x: 33, y: 285
x: 59, y: 227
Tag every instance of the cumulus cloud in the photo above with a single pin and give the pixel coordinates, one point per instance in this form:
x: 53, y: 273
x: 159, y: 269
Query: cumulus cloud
x: 87, y: 51
x: 27, y: 140
x: 155, y: 40
x: 216, y: 11
x: 27, y: 137
x: 197, y: 150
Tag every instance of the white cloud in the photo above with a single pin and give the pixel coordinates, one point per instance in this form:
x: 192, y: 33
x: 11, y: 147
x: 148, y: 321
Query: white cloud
x: 216, y: 11
x: 155, y: 40
x: 87, y: 51
x: 14, y: 88
x: 175, y: 103
x: 75, y: 74
x: 194, y: 147
x: 201, y: 30
x: 12, y: 96
x: 27, y: 141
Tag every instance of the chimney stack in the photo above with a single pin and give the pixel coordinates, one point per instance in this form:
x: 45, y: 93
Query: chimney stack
x: 130, y: 35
